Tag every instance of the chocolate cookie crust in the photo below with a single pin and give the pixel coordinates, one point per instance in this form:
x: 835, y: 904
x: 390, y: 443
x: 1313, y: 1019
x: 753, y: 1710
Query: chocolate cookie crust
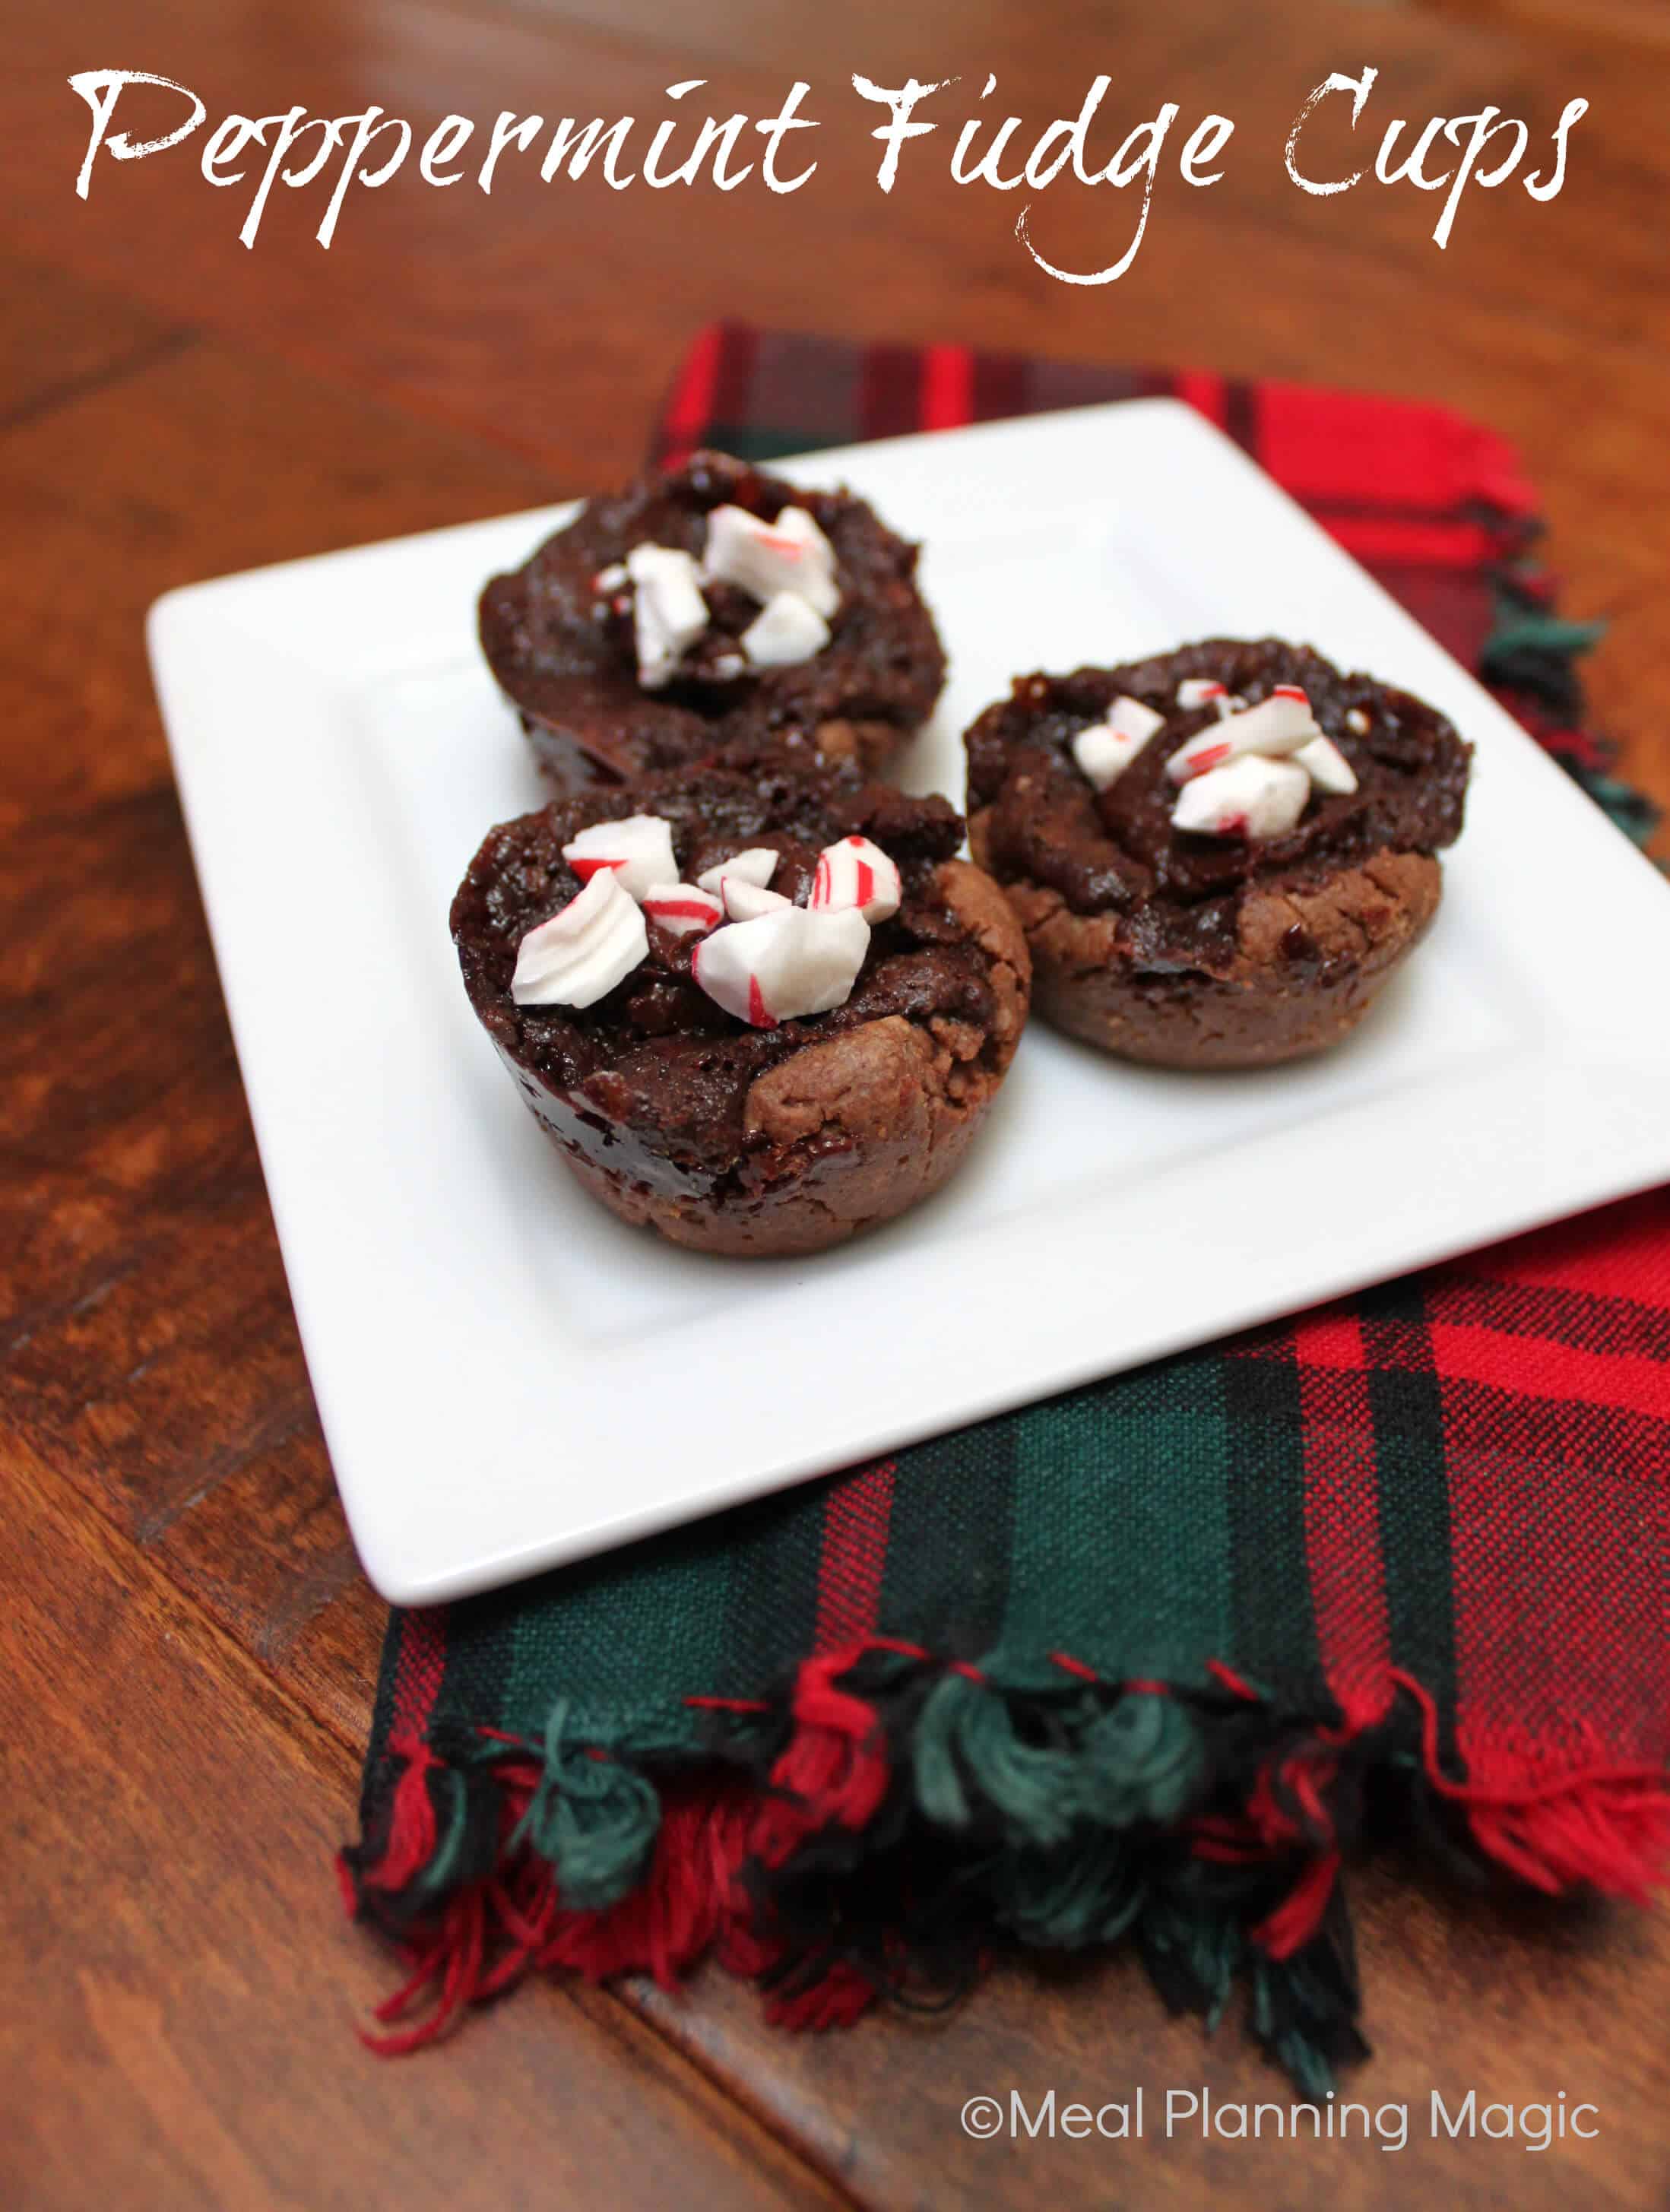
x: 729, y: 1138
x: 1198, y: 952
x: 565, y: 657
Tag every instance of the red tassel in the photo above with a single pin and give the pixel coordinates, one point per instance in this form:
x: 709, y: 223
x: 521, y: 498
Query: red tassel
x: 833, y: 1772
x: 1608, y: 1826
x: 488, y: 1937
x: 1304, y: 1778
x: 411, y: 1830
x: 1299, y: 1915
x: 833, y: 2000
x: 1226, y: 1842
x: 449, y: 1963
x: 345, y: 1884
x: 1613, y: 1835
x: 687, y: 1897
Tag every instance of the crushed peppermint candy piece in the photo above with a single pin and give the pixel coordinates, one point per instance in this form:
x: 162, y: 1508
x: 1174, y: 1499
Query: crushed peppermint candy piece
x: 1359, y: 723
x: 787, y: 629
x: 668, y: 611
x: 1326, y: 767
x: 766, y: 558
x: 1107, y: 749
x: 758, y: 865
x: 1278, y: 725
x: 1250, y: 796
x: 582, y: 951
x: 1204, y: 691
x: 782, y: 965
x: 856, y: 873
x: 614, y: 578
x: 746, y: 902
x: 683, y: 908
x: 638, y: 849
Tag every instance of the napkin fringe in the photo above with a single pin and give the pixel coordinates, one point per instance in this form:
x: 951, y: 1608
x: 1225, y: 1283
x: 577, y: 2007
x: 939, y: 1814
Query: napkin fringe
x: 860, y: 1832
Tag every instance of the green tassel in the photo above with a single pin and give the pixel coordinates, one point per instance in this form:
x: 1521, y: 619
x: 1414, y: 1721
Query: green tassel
x: 1089, y: 1892
x: 1193, y: 1947
x: 595, y: 1820
x: 1632, y: 811
x: 1541, y: 633
x: 1140, y: 1760
x: 449, y: 1795
x: 1277, y: 2018
x: 966, y: 1729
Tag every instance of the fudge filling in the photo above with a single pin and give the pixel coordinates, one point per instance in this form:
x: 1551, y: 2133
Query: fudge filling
x: 713, y: 604
x: 1160, y: 791
x: 657, y: 1051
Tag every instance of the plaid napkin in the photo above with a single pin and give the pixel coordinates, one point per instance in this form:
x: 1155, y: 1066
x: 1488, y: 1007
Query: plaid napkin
x: 1144, y: 1661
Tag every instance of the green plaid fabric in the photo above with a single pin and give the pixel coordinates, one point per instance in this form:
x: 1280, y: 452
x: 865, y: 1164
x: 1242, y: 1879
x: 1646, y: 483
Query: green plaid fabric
x: 1147, y: 1660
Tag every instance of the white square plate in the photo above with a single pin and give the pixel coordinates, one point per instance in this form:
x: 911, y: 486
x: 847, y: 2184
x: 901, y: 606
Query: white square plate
x: 507, y: 1376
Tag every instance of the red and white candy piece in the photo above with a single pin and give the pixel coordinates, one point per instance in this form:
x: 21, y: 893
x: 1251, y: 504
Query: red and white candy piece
x: 746, y: 902
x: 1276, y: 726
x: 1251, y: 797
x: 1205, y: 692
x: 582, y: 951
x: 1326, y: 767
x: 856, y: 873
x: 638, y: 848
x: 787, y: 629
x: 783, y: 964
x: 1106, y: 750
x: 757, y: 864
x: 765, y: 558
x: 683, y: 909
x: 668, y: 611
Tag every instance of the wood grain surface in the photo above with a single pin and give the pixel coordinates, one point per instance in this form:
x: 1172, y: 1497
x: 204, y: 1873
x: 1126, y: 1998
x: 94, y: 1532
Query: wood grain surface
x: 187, y: 1645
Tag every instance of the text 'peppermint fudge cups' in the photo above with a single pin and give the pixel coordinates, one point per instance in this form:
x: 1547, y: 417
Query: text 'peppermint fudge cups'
x: 757, y: 1009
x: 1219, y: 854
x: 709, y: 606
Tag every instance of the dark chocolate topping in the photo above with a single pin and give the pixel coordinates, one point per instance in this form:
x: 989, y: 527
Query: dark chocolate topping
x: 566, y: 657
x: 1179, y: 893
x: 656, y: 1055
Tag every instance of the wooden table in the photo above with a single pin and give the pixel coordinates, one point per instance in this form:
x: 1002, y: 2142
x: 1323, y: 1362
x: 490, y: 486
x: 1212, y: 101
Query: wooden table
x: 187, y: 1645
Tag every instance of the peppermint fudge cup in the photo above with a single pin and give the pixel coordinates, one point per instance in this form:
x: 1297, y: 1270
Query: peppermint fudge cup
x: 1219, y: 855
x: 757, y: 1009
x: 712, y: 606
